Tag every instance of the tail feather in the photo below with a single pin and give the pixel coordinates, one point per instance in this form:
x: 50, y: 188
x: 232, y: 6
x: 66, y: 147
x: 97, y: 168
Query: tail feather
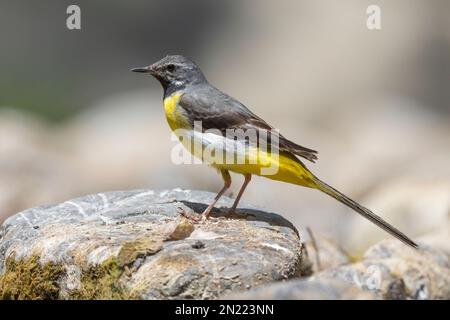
x: 366, y: 213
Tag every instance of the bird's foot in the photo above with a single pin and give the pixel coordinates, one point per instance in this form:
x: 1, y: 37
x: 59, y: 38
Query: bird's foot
x: 190, y: 215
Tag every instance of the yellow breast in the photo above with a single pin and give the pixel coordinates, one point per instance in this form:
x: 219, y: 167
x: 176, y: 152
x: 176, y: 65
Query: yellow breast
x: 174, y: 116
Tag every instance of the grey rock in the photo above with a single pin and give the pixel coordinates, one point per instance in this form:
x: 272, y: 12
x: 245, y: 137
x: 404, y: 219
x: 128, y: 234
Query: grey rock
x: 392, y: 270
x: 306, y: 289
x: 134, y: 244
x: 325, y: 254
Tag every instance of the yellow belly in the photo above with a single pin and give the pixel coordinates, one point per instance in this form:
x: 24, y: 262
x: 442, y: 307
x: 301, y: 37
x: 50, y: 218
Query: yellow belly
x: 276, y: 167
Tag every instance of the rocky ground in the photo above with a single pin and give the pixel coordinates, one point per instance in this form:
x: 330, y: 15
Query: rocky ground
x: 135, y: 244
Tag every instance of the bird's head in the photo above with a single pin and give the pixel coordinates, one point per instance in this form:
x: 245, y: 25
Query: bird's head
x: 174, y: 71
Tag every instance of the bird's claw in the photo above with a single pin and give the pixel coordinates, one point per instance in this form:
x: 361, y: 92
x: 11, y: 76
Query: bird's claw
x: 189, y: 214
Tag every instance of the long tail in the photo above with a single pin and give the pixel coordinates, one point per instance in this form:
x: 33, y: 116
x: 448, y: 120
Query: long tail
x: 366, y: 213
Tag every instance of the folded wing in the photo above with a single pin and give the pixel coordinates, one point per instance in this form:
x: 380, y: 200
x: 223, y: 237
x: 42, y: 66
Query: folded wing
x: 219, y: 111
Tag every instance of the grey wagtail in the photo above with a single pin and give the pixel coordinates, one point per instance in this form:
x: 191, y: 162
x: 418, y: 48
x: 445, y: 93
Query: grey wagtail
x: 189, y: 98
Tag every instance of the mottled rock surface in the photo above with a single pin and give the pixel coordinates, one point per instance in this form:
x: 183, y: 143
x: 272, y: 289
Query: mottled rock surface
x: 388, y: 270
x: 325, y: 254
x: 136, y: 245
x: 391, y: 270
x: 306, y: 289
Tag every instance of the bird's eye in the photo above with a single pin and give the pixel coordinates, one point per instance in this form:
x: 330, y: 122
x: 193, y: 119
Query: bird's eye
x: 170, y: 67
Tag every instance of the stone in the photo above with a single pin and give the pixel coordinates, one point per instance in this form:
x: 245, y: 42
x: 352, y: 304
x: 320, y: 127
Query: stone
x: 134, y: 244
x: 325, y: 254
x: 306, y: 289
x: 392, y: 270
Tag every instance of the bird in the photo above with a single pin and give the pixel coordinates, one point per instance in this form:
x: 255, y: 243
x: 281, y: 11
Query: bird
x: 190, y: 99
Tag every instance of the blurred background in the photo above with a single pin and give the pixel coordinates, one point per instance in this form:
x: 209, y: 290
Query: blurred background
x: 375, y: 104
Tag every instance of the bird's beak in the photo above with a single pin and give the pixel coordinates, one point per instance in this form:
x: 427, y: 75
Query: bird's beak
x: 143, y: 69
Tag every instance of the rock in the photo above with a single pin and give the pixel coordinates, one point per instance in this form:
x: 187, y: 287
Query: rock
x: 325, y: 254
x: 135, y: 244
x: 394, y: 271
x: 307, y: 289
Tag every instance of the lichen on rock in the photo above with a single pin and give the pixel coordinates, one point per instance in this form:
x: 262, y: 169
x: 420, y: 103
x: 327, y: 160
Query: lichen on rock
x: 29, y: 279
x: 138, y: 248
x: 101, y: 282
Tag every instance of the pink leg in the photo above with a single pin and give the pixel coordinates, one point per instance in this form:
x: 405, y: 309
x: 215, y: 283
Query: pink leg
x: 211, y: 206
x: 227, y: 183
x: 248, y: 177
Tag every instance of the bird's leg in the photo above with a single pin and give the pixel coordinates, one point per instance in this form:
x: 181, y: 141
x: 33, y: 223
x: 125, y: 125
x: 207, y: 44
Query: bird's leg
x: 248, y: 177
x: 227, y: 183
